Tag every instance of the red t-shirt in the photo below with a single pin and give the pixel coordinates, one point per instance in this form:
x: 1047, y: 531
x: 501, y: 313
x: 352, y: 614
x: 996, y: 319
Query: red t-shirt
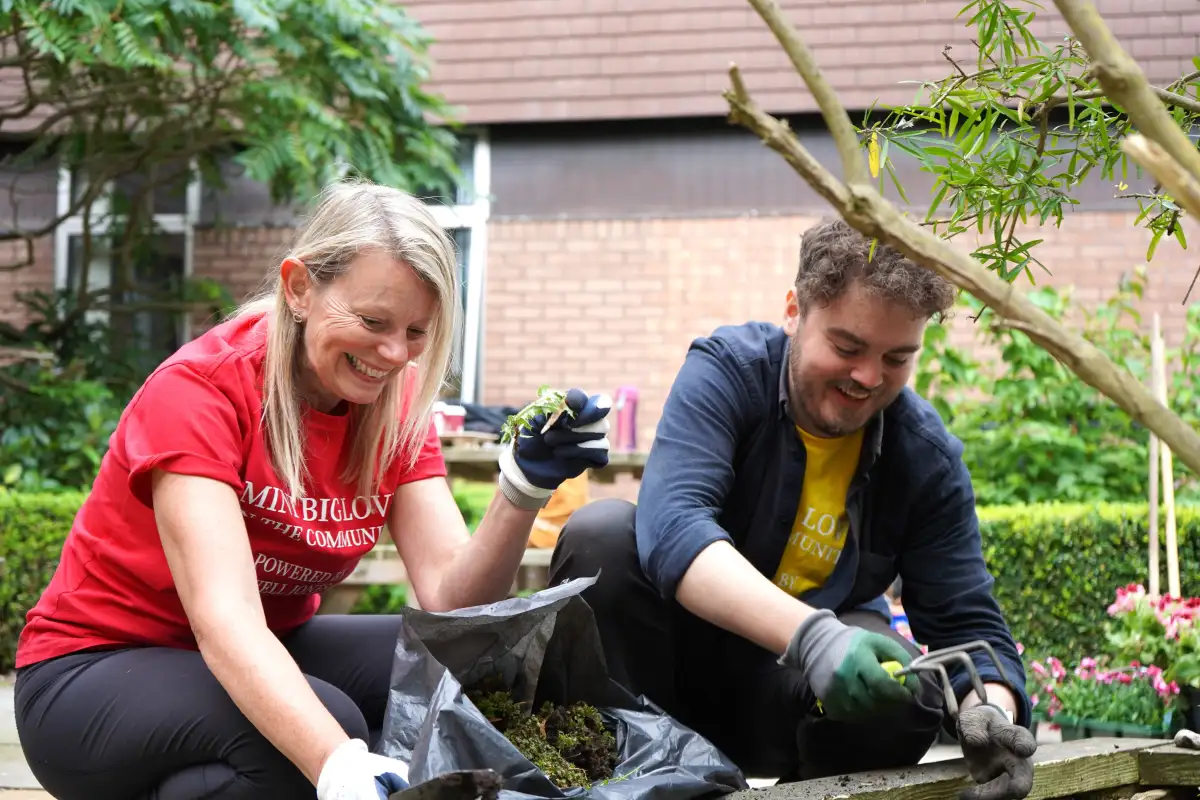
x: 199, y: 413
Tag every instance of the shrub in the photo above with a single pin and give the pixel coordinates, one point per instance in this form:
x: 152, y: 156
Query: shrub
x: 1057, y: 568
x: 32, y: 529
x: 1035, y: 433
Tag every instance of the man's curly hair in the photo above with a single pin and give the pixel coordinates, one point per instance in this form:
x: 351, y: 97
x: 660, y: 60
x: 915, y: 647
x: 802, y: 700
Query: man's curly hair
x: 832, y: 254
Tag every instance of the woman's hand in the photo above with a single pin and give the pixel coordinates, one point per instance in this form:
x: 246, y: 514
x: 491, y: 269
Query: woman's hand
x: 353, y: 773
x: 208, y: 552
x: 450, y: 568
x: 538, y: 462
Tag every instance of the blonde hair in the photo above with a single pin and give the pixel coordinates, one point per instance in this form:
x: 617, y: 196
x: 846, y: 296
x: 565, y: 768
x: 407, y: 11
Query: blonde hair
x: 354, y: 216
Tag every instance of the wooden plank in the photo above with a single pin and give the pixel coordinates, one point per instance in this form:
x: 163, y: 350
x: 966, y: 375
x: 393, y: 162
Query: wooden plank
x: 1060, y: 770
x: 1169, y: 766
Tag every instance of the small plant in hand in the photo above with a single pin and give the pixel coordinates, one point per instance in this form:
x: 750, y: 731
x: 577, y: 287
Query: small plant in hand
x: 570, y: 743
x: 551, y: 402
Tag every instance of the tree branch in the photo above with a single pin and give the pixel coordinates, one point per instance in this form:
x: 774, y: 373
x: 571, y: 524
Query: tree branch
x: 854, y: 167
x: 865, y: 210
x: 1125, y: 83
x: 1181, y: 184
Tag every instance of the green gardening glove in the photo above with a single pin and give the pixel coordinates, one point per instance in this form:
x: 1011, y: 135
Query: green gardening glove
x: 844, y: 667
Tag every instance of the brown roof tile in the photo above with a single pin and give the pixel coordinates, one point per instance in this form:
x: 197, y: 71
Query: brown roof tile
x: 542, y: 60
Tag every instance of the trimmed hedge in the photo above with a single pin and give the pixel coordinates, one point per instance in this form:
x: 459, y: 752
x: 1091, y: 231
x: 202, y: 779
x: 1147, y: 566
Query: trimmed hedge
x: 1057, y: 567
x: 32, y: 529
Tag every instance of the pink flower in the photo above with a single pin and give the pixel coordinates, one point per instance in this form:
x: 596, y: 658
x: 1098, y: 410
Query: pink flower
x: 1127, y: 599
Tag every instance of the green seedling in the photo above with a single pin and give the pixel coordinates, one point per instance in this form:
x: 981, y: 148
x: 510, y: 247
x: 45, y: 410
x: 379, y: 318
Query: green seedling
x: 552, y: 402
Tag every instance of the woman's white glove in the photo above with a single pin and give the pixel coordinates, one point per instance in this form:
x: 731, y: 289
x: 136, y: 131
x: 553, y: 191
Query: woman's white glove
x: 353, y: 773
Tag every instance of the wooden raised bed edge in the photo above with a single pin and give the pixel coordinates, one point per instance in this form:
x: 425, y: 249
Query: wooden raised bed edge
x: 1061, y: 770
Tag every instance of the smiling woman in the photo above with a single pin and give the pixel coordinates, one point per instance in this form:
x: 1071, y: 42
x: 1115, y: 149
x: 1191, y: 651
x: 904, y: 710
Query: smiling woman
x: 251, y: 472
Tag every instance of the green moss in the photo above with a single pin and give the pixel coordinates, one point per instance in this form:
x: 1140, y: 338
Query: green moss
x: 569, y: 744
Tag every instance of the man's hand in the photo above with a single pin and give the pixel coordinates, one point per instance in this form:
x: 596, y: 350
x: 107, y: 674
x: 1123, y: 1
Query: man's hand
x: 843, y: 666
x: 998, y: 754
x: 536, y: 463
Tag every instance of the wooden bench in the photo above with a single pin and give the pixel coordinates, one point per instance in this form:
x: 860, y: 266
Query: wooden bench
x: 383, y: 567
x: 1088, y: 769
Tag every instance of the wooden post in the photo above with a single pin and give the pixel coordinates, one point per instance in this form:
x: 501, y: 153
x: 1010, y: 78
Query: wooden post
x: 1158, y: 355
x: 1152, y: 521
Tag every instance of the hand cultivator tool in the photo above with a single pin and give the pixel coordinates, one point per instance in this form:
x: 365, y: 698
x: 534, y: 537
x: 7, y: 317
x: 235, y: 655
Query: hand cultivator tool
x: 471, y: 784
x: 935, y: 661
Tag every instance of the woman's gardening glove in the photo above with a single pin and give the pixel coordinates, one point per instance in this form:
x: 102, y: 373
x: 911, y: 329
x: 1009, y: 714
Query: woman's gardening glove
x: 353, y: 773
x: 844, y: 667
x: 534, y: 465
x: 998, y: 754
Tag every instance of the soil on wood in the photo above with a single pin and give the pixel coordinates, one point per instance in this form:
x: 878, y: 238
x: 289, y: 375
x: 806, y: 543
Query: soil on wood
x: 570, y: 744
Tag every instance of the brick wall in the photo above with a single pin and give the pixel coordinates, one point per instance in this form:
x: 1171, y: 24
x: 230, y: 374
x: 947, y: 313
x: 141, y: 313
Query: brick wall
x: 36, y: 276
x: 239, y: 258
x: 603, y: 303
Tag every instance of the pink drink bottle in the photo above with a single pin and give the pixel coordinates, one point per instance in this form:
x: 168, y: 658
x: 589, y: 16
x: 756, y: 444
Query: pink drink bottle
x: 625, y: 409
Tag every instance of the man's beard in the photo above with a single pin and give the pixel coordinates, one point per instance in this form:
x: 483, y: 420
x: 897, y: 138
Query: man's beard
x: 807, y: 394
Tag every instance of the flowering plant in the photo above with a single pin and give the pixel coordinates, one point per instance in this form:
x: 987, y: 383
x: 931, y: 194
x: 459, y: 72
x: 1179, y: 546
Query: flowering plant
x: 1157, y: 631
x: 1136, y: 695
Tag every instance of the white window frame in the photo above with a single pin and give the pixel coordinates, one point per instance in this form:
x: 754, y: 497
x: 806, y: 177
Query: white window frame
x: 474, y: 218
x: 184, y: 223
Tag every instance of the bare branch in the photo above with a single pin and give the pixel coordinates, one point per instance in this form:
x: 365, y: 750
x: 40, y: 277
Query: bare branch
x: 1182, y: 185
x: 854, y: 167
x: 865, y: 210
x: 1172, y: 99
x: 1125, y: 83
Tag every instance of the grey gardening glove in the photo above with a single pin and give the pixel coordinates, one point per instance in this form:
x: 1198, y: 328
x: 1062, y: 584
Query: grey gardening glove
x: 998, y: 754
x: 843, y: 667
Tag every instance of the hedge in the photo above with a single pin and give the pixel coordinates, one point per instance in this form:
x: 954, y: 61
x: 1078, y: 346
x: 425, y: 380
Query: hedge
x: 32, y: 528
x: 1057, y: 567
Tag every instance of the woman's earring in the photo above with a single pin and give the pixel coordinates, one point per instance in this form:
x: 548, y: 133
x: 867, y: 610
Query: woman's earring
x: 296, y: 316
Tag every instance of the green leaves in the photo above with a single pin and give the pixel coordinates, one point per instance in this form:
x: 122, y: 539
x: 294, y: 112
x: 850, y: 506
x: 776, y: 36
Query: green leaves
x: 297, y: 92
x: 549, y: 401
x: 1010, y: 140
x: 1032, y: 431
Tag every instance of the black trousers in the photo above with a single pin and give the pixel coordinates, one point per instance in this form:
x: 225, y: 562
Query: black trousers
x: 153, y: 723
x: 729, y: 690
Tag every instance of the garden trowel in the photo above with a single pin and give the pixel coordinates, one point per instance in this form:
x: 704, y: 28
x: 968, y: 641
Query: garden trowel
x: 468, y: 784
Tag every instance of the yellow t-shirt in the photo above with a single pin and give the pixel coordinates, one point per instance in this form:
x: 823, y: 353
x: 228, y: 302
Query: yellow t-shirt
x: 819, y: 530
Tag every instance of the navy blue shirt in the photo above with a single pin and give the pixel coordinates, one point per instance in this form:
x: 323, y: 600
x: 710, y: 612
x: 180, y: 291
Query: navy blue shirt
x: 727, y: 464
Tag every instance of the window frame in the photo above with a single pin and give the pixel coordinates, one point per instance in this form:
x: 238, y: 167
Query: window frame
x: 472, y: 216
x: 171, y: 224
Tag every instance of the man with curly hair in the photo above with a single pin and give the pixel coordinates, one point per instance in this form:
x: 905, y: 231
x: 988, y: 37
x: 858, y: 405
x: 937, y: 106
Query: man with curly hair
x: 794, y: 476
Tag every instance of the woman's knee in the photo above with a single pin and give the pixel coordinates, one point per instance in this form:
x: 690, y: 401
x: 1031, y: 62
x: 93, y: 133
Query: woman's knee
x: 160, y: 708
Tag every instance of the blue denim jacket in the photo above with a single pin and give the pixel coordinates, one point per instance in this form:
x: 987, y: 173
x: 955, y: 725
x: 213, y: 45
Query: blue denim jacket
x: 726, y: 463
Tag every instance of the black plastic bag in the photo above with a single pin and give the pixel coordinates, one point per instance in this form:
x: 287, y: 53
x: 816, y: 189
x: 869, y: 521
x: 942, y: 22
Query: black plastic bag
x: 542, y: 647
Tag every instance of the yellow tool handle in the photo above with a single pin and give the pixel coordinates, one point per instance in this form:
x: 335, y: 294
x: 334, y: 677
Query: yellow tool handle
x: 890, y: 667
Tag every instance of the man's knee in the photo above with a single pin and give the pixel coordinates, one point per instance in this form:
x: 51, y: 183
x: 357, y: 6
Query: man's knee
x: 599, y: 537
